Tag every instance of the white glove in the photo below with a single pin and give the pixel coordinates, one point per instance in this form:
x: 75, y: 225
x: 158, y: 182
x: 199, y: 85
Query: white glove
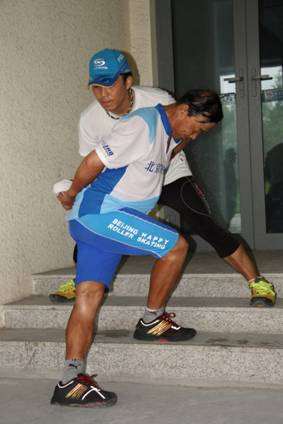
x: 62, y: 185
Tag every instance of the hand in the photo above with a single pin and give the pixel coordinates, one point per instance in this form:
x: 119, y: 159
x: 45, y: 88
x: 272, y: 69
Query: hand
x: 66, y: 199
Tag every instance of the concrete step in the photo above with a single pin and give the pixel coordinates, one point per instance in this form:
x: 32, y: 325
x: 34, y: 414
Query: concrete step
x: 205, y: 314
x: 192, y: 285
x: 205, y: 275
x: 208, y: 359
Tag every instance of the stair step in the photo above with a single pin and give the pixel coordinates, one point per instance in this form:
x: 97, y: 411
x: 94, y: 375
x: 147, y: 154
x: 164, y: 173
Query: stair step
x: 240, y: 358
x: 192, y: 285
x: 205, y: 314
x: 205, y: 275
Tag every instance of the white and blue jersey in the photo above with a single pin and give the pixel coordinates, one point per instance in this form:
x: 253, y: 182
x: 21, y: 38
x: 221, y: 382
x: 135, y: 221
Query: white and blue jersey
x: 95, y: 127
x: 109, y: 218
x: 136, y: 156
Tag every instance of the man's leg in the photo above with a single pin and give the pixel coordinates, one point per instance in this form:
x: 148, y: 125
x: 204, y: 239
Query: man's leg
x: 165, y: 275
x: 77, y: 388
x: 156, y: 324
x: 262, y: 291
x: 241, y: 262
x: 80, y: 327
x: 95, y: 269
x: 185, y: 197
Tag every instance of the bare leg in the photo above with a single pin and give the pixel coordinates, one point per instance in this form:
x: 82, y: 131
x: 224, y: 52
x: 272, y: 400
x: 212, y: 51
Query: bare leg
x: 165, y: 274
x: 79, y: 332
x: 241, y: 262
x: 164, y: 277
x: 77, y: 388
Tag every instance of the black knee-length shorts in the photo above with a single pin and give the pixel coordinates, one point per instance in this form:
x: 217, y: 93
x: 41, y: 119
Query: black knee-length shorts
x: 185, y: 196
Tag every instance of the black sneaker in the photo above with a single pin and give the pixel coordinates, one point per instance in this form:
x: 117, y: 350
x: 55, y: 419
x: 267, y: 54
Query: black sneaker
x: 83, y: 391
x: 163, y: 329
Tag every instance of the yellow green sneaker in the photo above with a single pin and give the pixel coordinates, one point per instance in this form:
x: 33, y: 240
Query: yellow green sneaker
x: 262, y: 292
x: 66, y: 292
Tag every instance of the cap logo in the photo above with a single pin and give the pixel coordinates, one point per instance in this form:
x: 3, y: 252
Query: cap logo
x: 120, y: 58
x: 99, y: 62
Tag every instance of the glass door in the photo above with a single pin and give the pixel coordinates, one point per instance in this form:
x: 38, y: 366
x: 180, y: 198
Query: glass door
x: 236, y: 48
x: 266, y: 111
x: 210, y: 62
x: 204, y: 53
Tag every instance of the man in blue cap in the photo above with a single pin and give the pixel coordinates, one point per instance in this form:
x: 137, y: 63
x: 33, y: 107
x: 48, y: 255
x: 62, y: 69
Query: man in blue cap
x: 111, y: 81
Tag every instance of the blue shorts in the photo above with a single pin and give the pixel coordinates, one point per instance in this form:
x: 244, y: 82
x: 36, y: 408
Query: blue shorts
x: 103, y: 239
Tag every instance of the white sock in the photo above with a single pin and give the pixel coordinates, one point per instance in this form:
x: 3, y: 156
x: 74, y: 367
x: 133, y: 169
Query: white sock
x: 151, y: 314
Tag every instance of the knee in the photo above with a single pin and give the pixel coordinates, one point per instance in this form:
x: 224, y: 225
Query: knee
x: 182, y: 245
x: 180, y: 249
x: 89, y: 293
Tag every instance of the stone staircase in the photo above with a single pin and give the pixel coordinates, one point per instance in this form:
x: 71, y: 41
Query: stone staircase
x: 235, y: 345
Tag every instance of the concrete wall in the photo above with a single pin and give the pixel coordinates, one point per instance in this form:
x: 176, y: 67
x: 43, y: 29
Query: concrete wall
x: 45, y: 46
x: 141, y: 34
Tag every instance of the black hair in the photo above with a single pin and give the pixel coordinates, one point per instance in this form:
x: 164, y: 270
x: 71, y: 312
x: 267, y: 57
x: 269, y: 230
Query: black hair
x: 126, y: 76
x: 203, y: 102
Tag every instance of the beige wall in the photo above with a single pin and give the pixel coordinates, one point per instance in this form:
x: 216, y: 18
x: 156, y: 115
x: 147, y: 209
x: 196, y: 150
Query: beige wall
x: 45, y: 48
x: 140, y: 38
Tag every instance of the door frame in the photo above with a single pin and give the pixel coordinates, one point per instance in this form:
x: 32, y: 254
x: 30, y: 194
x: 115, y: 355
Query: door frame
x: 242, y: 121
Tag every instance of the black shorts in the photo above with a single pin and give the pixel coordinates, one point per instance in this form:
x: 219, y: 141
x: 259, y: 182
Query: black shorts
x: 185, y: 196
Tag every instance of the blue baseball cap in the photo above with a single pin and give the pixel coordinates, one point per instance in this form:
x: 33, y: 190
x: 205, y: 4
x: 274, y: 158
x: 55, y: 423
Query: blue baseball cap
x: 106, y: 66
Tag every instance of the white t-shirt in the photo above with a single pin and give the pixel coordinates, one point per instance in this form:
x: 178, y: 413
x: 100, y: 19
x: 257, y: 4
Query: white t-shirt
x: 95, y: 126
x: 136, y: 156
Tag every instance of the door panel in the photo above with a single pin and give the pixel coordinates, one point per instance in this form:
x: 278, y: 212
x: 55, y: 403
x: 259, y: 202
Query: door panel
x: 266, y: 119
x: 230, y: 46
x: 203, y: 45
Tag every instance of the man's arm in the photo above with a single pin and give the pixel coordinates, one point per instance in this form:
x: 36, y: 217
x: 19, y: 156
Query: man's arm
x: 88, y: 170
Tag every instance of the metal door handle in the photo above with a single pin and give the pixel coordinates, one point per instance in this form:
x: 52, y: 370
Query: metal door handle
x: 262, y: 77
x: 234, y: 80
x: 240, y: 88
x: 256, y: 78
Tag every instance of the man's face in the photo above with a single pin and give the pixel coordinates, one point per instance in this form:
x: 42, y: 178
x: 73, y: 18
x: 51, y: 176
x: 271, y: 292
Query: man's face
x: 191, y: 127
x: 200, y: 126
x: 113, y: 98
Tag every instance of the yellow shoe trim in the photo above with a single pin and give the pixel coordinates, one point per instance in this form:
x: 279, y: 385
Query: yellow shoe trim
x: 67, y: 289
x: 263, y: 289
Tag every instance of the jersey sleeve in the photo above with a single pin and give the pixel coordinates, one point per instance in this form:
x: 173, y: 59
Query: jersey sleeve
x: 128, y: 142
x: 86, y: 143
